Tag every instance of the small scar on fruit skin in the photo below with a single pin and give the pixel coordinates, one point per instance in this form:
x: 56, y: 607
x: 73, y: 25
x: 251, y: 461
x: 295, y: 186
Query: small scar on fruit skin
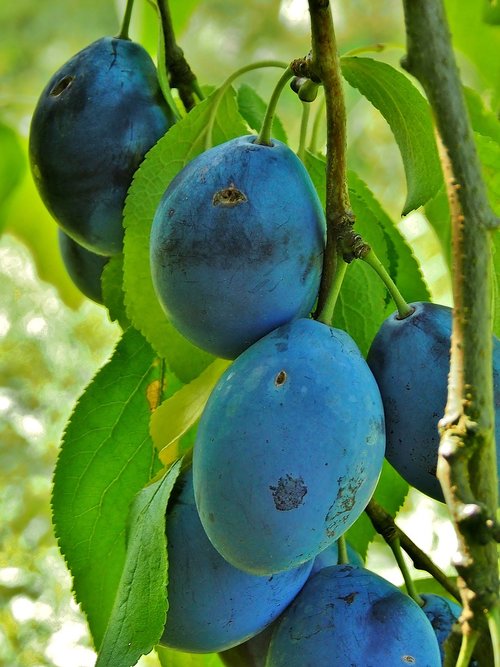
x: 211, y: 517
x: 62, y: 85
x: 288, y: 493
x: 280, y: 378
x: 229, y: 197
x: 409, y: 659
x: 349, y: 598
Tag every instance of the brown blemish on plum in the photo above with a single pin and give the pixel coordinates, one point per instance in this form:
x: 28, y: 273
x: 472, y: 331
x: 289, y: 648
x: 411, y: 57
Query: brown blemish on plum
x: 229, y: 197
x: 288, y: 493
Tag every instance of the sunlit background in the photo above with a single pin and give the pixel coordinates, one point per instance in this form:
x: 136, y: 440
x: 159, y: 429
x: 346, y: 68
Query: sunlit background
x: 52, y: 340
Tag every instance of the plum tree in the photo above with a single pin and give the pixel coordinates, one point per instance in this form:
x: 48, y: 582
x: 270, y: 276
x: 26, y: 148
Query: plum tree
x: 292, y: 441
x: 95, y: 120
x: 212, y: 605
x: 237, y: 244
x: 346, y: 615
x: 83, y: 266
x: 410, y: 359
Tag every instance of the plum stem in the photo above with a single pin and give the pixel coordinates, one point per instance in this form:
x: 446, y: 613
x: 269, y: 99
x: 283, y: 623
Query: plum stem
x: 404, y: 309
x: 493, y: 616
x: 264, y: 137
x: 467, y: 648
x: 343, y: 557
x: 395, y: 545
x: 318, y: 118
x: 219, y: 94
x: 325, y: 315
x: 301, y: 152
x: 124, y: 29
x: 385, y: 525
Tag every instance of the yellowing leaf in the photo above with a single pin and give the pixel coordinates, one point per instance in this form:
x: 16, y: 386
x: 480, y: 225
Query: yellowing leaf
x: 179, y: 412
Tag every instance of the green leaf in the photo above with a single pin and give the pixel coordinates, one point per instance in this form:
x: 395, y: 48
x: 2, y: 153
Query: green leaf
x: 170, y: 658
x: 106, y: 457
x: 177, y: 414
x: 491, y: 12
x: 483, y: 120
x: 140, y: 609
x: 409, y: 117
x: 391, y: 492
x: 112, y: 291
x: 253, y: 108
x: 182, y: 143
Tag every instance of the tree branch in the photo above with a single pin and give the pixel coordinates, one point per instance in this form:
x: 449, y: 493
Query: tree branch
x: 466, y: 468
x: 324, y: 67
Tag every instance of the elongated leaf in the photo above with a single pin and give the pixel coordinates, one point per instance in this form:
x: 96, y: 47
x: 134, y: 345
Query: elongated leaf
x: 183, y: 141
x: 391, y: 492
x: 106, y: 457
x: 408, y: 115
x: 178, y: 413
x: 140, y: 610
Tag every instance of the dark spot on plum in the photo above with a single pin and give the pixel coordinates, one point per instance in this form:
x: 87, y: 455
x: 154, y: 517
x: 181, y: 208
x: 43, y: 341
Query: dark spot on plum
x: 229, y: 197
x: 211, y: 517
x: 409, y: 659
x: 288, y: 493
x: 280, y: 378
x: 62, y: 85
x: 171, y: 211
x: 349, y: 598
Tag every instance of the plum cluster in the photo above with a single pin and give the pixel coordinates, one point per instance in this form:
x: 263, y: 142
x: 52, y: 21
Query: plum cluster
x: 291, y: 442
x: 94, y: 121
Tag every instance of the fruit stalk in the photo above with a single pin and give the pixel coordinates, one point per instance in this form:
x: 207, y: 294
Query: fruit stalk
x: 324, y: 66
x: 124, y: 28
x: 385, y: 525
x: 466, y: 468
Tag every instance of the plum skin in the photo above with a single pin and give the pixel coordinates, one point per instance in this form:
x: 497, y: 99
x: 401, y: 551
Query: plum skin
x: 212, y: 605
x: 237, y: 245
x: 95, y: 120
x: 410, y: 359
x: 83, y: 266
x: 289, y: 448
x: 347, y: 615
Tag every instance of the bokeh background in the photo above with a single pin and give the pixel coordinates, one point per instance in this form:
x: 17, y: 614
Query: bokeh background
x: 52, y: 340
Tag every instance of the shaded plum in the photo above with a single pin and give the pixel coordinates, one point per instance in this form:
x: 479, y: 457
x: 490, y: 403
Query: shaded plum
x: 212, y: 605
x: 410, y: 359
x: 289, y: 447
x: 237, y: 245
x: 442, y: 613
x: 95, y: 120
x: 83, y: 266
x: 346, y: 615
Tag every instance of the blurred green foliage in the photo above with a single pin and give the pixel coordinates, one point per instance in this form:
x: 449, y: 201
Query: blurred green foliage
x: 52, y: 341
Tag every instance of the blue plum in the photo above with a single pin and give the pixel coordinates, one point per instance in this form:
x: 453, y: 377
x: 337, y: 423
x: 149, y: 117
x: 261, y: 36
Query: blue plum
x: 237, y: 245
x: 410, y: 359
x: 95, y: 120
x: 83, y: 266
x: 289, y: 447
x: 212, y: 605
x: 346, y: 615
x: 443, y: 614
